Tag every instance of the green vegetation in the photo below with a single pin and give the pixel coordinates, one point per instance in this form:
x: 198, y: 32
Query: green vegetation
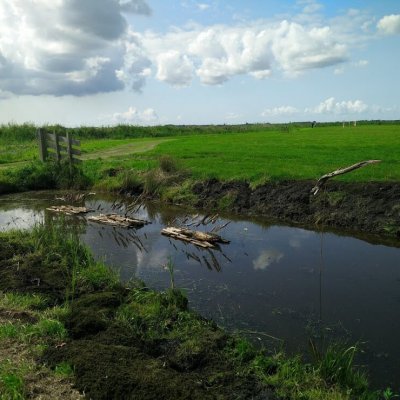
x: 249, y: 152
x: 167, y: 168
x: 132, y: 334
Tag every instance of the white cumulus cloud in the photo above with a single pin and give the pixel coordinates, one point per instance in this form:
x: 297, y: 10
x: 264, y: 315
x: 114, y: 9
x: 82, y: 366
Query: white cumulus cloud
x: 331, y: 106
x: 174, y: 68
x: 389, y: 24
x: 136, y: 117
x: 218, y: 53
x: 282, y: 110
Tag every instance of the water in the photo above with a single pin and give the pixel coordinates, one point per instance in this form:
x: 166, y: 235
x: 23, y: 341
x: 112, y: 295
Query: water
x: 273, y: 283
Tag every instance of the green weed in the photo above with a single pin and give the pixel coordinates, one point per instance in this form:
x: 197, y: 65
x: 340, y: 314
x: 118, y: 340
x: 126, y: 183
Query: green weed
x: 168, y: 164
x: 64, y: 370
x: 19, y: 301
x: 336, y: 366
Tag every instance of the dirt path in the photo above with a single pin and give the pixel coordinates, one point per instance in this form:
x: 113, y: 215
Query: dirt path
x: 124, y: 149
x: 121, y: 150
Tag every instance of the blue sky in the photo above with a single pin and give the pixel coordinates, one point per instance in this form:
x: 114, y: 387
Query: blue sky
x: 145, y: 62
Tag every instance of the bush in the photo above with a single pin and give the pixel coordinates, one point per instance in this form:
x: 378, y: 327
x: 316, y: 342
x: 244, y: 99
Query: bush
x: 49, y: 175
x: 168, y: 164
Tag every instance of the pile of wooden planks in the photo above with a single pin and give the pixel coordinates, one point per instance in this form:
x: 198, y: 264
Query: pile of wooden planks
x: 202, y: 239
x: 118, y: 220
x: 69, y: 210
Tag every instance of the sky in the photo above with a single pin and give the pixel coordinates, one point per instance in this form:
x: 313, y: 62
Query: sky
x: 156, y: 62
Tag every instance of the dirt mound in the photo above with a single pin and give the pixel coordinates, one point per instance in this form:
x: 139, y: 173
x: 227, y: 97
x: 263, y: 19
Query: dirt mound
x: 113, y: 360
x: 124, y: 372
x: 372, y: 207
x: 24, y: 271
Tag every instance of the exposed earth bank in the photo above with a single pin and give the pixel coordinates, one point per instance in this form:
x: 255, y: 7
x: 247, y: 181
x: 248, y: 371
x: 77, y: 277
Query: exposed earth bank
x: 372, y: 207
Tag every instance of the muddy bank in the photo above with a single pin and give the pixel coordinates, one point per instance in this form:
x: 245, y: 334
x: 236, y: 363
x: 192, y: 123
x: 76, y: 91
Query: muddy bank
x: 124, y: 342
x: 372, y: 207
x: 115, y: 360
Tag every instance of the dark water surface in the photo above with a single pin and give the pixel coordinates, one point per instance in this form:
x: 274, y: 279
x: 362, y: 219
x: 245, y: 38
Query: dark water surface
x: 274, y: 283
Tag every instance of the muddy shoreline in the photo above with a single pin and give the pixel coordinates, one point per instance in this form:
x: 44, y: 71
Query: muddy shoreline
x: 371, y: 207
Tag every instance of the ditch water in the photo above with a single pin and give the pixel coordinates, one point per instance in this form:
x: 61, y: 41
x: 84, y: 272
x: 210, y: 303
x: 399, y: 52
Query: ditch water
x: 277, y: 285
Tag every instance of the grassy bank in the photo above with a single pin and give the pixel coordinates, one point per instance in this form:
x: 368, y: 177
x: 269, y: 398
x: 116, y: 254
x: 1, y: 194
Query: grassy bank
x: 65, y: 319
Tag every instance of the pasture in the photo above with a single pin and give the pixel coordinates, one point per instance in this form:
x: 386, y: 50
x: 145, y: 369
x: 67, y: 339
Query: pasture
x: 252, y: 155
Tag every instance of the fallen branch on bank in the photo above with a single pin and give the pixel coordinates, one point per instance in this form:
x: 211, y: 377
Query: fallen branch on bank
x: 321, y: 181
x: 69, y: 210
x: 118, y: 220
x: 206, y: 240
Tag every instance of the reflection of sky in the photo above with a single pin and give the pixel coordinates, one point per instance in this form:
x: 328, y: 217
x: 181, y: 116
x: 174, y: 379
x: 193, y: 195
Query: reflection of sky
x: 266, y: 258
x: 299, y: 236
x: 19, y: 218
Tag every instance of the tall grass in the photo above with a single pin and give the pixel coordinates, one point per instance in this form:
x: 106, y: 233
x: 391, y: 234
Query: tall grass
x: 83, y: 271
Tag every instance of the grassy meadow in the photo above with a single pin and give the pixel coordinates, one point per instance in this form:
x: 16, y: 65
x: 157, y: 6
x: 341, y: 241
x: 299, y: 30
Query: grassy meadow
x: 132, y: 156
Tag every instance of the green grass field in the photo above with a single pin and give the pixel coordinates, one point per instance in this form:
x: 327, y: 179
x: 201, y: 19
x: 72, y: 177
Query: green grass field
x: 303, y: 154
x: 298, y: 153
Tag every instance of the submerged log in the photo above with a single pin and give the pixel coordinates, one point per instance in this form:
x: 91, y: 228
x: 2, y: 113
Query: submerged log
x: 69, y: 210
x: 201, y: 239
x: 118, y: 220
x: 321, y: 181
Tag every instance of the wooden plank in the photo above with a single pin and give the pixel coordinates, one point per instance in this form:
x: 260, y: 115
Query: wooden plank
x: 118, y: 220
x: 69, y: 210
x: 51, y: 136
x: 75, y: 152
x: 53, y: 146
x: 73, y: 141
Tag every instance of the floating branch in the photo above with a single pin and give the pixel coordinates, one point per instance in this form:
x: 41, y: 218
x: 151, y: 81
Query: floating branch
x: 118, y: 220
x: 69, y: 210
x: 74, y: 197
x: 321, y: 181
x: 206, y: 240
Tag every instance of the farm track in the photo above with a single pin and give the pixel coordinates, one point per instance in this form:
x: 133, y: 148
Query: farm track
x: 121, y: 150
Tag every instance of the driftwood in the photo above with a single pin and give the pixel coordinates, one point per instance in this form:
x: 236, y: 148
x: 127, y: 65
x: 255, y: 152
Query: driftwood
x: 206, y: 240
x: 69, y: 210
x: 118, y: 220
x: 321, y: 181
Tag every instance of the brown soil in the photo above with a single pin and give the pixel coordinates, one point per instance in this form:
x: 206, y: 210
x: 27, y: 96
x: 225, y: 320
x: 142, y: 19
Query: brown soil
x: 372, y: 207
x: 112, y: 362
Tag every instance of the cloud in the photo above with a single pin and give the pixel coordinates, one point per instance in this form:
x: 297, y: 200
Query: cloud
x: 331, y: 106
x: 327, y: 107
x: 90, y: 48
x: 389, y: 24
x: 202, y: 6
x: 218, y: 53
x: 267, y: 258
x: 361, y: 63
x: 63, y: 46
x: 135, y: 7
x: 310, y: 6
x: 282, y: 110
x: 174, y: 68
x: 134, y: 116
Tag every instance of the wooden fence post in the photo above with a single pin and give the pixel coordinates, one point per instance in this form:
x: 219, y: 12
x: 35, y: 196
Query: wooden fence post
x: 57, y: 143
x: 42, y: 145
x: 69, y: 147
